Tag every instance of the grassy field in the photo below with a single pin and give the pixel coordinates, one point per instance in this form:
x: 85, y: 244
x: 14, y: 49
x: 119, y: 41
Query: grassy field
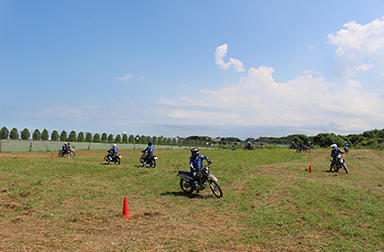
x: 270, y: 202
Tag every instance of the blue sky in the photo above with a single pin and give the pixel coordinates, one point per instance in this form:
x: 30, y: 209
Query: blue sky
x: 180, y: 68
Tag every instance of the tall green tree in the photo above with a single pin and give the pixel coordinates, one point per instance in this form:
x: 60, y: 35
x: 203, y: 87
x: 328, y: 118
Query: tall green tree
x: 63, y: 136
x: 25, y: 134
x: 131, y: 139
x: 4, y: 133
x: 125, y: 138
x: 88, y: 137
x: 154, y: 140
x: 104, y: 137
x: 55, y: 135
x: 96, y: 137
x: 36, y: 135
x: 118, y: 139
x: 14, y: 134
x: 80, y: 137
x: 44, y: 135
x: 72, y: 136
x: 110, y: 138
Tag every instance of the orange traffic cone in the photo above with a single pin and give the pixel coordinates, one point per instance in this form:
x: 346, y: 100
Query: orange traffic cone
x: 126, y: 213
x: 310, y: 169
x: 52, y: 155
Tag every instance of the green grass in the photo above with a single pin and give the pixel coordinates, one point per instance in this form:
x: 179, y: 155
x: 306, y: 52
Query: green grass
x: 270, y: 202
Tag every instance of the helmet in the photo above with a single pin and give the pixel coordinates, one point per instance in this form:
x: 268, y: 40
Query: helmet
x: 334, y: 146
x: 65, y: 142
x: 69, y: 143
x: 195, y: 151
x: 114, y: 145
x: 149, y: 143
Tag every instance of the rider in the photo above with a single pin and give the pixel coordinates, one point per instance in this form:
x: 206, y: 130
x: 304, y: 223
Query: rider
x: 334, y: 154
x: 148, y: 153
x: 64, y: 148
x: 196, y: 164
x: 113, y: 151
x: 293, y: 144
x: 346, y: 144
x: 301, y: 145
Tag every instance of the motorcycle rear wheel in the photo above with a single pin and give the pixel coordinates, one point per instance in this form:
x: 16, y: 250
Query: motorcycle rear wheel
x: 152, y: 163
x: 185, y: 189
x: 215, y: 188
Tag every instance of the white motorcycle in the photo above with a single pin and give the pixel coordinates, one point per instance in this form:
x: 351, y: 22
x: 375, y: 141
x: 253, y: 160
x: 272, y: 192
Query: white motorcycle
x: 338, y: 163
x: 188, y: 183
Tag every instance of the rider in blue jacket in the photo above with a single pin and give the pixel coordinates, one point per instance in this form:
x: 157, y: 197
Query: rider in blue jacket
x: 113, y: 151
x: 196, y: 164
x: 148, y: 153
x: 334, y: 154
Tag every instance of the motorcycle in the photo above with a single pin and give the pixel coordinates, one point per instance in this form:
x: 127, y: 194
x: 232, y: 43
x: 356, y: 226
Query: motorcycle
x: 112, y: 158
x: 303, y: 148
x: 338, y: 163
x: 151, y: 162
x: 346, y: 149
x: 69, y: 153
x: 188, y: 184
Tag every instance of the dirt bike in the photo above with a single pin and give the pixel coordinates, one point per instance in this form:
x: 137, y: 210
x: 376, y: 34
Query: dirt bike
x: 151, y: 162
x: 188, y: 184
x: 112, y: 158
x: 338, y: 163
x: 346, y: 149
x: 303, y: 148
x: 69, y: 153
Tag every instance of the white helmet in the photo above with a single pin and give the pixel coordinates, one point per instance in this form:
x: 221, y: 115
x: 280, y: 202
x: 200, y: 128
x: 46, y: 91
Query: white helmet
x: 334, y: 146
x: 114, y: 145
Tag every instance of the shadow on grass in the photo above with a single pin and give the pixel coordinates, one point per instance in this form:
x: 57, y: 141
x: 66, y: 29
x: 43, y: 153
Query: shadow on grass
x: 139, y: 166
x: 186, y: 195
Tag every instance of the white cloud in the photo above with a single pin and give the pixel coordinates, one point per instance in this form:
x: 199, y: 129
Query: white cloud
x: 221, y: 52
x: 258, y: 100
x: 360, y: 47
x: 125, y: 77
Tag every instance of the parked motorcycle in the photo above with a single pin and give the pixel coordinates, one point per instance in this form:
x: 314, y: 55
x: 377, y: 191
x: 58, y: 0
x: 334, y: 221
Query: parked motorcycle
x: 112, y: 158
x: 69, y: 153
x: 338, y: 163
x: 188, y: 185
x: 151, y: 162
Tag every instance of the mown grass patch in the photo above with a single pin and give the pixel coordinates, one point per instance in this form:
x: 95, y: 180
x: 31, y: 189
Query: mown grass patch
x: 270, y: 202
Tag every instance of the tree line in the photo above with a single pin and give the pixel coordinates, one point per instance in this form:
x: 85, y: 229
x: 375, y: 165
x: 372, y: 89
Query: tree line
x: 368, y: 139
x: 44, y: 135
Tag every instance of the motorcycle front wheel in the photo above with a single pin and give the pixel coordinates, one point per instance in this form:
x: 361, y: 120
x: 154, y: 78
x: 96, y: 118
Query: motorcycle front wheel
x: 72, y: 154
x: 141, y: 161
x: 345, y: 168
x: 184, y: 188
x: 215, y: 188
x: 106, y: 160
x: 117, y: 160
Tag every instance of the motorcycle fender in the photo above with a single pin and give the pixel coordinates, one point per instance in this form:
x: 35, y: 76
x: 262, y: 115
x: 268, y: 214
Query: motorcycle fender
x: 154, y: 157
x: 185, y: 177
x: 341, y: 160
x: 213, y: 178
